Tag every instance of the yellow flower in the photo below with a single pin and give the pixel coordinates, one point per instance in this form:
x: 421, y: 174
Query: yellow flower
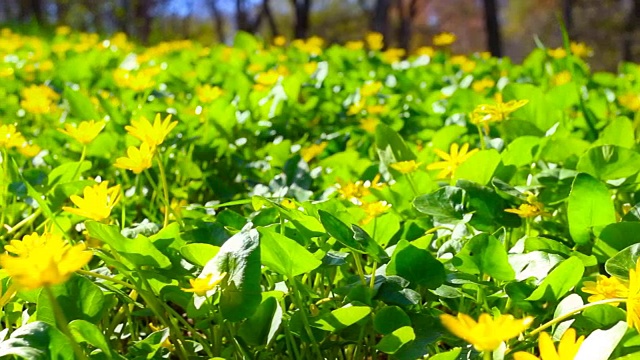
x: 288, y: 204
x: 561, y: 78
x: 605, y: 288
x: 500, y: 110
x: 266, y: 80
x: 456, y: 156
x: 375, y: 183
x: 444, y: 39
x: 38, y: 99
x: 633, y: 298
x: 567, y: 348
x: 29, y: 150
x: 354, y: 45
x: 310, y: 67
x: 44, y: 260
x: 353, y: 191
x: 371, y: 88
x: 374, y: 40
x: 311, y: 151
x: 373, y: 210
x: 557, y: 53
x: 393, y: 55
x: 425, y: 51
x: 406, y: 167
x: 85, y: 132
x: 487, y: 333
x: 356, y: 108
x: 9, y: 136
x: 369, y: 124
x: 630, y: 100
x: 376, y: 109
x: 153, y: 135
x: 482, y: 85
x: 279, y: 40
x: 137, y: 160
x: 527, y: 211
x: 580, y: 49
x: 97, y: 203
x: 139, y: 81
x: 201, y: 286
x: 208, y: 93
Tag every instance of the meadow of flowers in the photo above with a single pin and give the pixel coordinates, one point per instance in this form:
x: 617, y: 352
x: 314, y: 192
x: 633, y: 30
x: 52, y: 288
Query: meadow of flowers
x: 295, y: 200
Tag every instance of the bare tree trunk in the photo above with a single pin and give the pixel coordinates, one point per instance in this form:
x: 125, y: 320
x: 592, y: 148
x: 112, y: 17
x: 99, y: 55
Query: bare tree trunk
x: 218, y: 20
x: 142, y: 12
x: 494, y: 42
x: 407, y: 16
x: 38, y: 11
x: 630, y: 26
x: 302, y: 10
x: 567, y: 14
x: 242, y: 18
x: 270, y: 19
x: 380, y: 17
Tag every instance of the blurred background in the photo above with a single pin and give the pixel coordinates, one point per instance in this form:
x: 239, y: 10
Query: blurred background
x: 504, y: 27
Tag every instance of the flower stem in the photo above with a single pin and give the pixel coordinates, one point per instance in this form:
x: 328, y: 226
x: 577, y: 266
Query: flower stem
x: 486, y: 355
x: 305, y: 320
x: 107, y: 278
x: 481, y: 134
x: 62, y: 323
x: 165, y: 191
x: 82, y: 156
x: 564, y: 317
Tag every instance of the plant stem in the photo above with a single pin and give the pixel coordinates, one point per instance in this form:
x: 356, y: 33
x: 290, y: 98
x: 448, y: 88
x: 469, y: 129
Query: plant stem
x: 107, y: 278
x: 24, y: 221
x: 82, y: 156
x: 481, y: 134
x: 486, y: 355
x: 62, y: 323
x: 165, y: 191
x: 573, y: 312
x: 413, y: 186
x: 305, y: 319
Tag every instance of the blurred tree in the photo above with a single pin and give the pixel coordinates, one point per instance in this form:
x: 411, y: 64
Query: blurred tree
x: 492, y: 25
x: 406, y: 14
x: 630, y: 27
x: 302, y: 9
x: 218, y: 19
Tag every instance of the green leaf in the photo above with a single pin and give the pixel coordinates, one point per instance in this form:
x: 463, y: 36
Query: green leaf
x: 600, y: 344
x: 449, y: 355
x: 479, y: 168
x: 589, y: 206
x: 260, y: 328
x: 354, y: 238
x: 285, y: 256
x: 84, y: 331
x: 520, y: 152
x: 391, y: 147
x: 390, y: 318
x: 609, y: 162
x: 78, y: 297
x: 619, y: 132
x: 484, y: 254
x: 63, y: 173
x: 341, y: 318
x: 139, y: 251
x: 416, y: 265
x: 615, y: 237
x: 81, y: 106
x: 37, y: 341
x: 562, y: 279
x: 147, y: 348
x: 391, y: 343
x: 199, y: 253
x: 445, y: 204
x: 625, y: 259
x: 239, y: 257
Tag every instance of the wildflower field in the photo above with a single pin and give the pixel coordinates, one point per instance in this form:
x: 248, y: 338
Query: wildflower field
x: 298, y: 200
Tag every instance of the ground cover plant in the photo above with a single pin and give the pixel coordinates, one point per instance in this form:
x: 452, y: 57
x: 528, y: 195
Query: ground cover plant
x: 293, y: 200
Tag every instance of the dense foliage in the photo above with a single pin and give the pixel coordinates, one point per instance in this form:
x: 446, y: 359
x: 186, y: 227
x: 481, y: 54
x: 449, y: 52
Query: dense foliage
x: 299, y: 201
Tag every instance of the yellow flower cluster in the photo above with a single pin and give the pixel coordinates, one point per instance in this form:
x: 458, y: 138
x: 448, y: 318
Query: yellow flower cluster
x: 207, y: 93
x: 140, y: 158
x: 97, y: 203
x: 567, y: 348
x: 85, y: 132
x: 357, y: 191
x: 487, y: 333
x: 138, y: 81
x: 10, y: 138
x: 451, y: 161
x: 39, y: 99
x: 530, y: 209
x: 485, y: 114
x: 43, y: 260
x: 444, y: 39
